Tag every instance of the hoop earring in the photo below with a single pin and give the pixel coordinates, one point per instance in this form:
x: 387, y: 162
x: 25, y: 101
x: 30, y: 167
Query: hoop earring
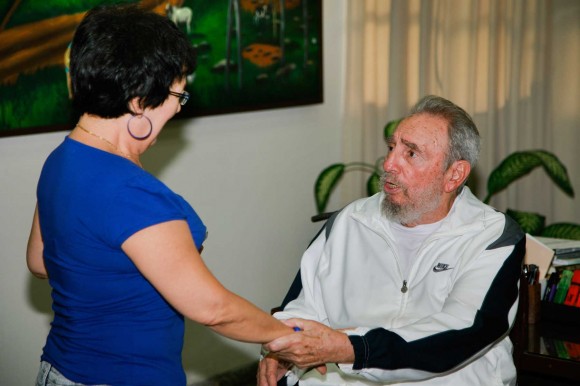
x: 140, y: 138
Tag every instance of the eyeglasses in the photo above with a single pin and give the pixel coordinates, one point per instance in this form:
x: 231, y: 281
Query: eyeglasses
x: 183, y: 97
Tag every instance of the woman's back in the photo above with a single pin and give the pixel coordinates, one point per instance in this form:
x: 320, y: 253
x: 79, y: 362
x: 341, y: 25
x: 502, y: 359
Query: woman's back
x: 111, y: 326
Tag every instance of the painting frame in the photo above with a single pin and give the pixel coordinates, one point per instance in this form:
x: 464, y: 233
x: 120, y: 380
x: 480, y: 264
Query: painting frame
x: 266, y: 54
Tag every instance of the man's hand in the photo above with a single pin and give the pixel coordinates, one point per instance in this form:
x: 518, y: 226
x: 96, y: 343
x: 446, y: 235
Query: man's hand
x: 271, y: 370
x: 313, y: 346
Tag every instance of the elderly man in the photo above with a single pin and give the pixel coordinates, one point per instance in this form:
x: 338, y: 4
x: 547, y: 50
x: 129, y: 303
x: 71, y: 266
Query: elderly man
x: 417, y: 284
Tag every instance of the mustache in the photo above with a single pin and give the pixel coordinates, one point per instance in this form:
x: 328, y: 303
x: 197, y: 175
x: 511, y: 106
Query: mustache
x: 388, y: 178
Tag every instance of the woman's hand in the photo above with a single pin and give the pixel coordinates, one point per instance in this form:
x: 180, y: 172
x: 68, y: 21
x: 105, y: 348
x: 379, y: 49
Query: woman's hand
x: 271, y: 370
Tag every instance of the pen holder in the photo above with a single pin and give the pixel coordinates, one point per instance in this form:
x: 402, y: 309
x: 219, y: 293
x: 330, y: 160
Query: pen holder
x: 534, y: 303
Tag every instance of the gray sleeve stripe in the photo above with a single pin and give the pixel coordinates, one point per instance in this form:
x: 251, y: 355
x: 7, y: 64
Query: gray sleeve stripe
x: 510, y: 236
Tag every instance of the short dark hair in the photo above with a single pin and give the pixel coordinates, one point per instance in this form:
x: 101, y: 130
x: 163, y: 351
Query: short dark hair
x: 464, y: 140
x: 122, y: 52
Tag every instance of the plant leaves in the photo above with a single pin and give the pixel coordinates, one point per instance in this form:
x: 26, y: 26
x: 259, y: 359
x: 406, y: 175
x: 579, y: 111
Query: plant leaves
x: 373, y: 184
x: 518, y: 164
x: 390, y: 127
x: 532, y: 223
x: 556, y: 170
x: 514, y: 166
x: 325, y: 183
x: 562, y: 230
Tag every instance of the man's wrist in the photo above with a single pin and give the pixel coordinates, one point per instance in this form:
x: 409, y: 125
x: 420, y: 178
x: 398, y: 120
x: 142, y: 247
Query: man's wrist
x: 344, y: 351
x: 360, y: 351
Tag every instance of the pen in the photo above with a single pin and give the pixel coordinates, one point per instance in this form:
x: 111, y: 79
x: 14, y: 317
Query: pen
x: 551, y: 286
x: 553, y: 291
x: 532, y: 273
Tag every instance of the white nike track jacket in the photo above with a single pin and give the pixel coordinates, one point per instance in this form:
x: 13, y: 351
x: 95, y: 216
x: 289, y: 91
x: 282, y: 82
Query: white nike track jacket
x: 445, y: 324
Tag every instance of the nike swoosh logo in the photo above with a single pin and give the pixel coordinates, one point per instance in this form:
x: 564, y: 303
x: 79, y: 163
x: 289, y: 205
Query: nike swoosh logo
x: 440, y: 267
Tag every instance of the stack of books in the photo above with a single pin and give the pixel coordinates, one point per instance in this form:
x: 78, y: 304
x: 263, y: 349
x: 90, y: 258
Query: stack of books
x: 563, y: 287
x: 551, y: 254
x: 559, y: 348
x: 566, y: 252
x: 558, y: 264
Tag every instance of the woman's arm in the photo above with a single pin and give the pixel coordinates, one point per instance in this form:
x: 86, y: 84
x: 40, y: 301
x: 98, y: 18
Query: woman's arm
x: 167, y: 256
x: 35, y: 248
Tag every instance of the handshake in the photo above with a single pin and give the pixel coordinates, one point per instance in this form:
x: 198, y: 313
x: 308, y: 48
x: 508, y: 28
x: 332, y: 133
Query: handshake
x: 312, y: 346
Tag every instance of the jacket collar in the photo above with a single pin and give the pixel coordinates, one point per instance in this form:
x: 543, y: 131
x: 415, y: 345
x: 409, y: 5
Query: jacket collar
x: 467, y: 214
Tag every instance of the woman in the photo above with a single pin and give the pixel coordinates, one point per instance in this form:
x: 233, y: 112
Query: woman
x: 120, y: 249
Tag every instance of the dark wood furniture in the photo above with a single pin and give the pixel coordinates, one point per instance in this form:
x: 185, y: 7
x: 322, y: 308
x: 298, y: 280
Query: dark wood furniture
x: 534, y: 364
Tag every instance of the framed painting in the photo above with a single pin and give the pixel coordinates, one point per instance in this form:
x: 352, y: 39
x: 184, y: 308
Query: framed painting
x: 251, y: 54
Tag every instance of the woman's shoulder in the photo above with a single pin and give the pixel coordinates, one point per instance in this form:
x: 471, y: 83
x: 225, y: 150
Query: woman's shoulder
x: 140, y: 180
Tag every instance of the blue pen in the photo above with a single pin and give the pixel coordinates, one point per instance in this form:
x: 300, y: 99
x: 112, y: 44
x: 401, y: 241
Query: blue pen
x: 551, y: 287
x: 552, y: 292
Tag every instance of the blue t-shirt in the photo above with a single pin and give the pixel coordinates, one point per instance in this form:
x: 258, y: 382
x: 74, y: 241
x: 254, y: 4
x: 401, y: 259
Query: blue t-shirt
x: 110, y: 324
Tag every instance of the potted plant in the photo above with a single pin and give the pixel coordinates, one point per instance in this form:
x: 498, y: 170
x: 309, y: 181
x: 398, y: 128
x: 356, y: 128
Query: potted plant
x: 513, y: 167
x: 521, y: 163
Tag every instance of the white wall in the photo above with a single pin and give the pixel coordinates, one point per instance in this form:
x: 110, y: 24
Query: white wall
x: 250, y: 176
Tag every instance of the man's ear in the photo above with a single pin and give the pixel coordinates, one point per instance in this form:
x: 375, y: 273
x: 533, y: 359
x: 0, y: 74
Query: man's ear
x: 456, y: 175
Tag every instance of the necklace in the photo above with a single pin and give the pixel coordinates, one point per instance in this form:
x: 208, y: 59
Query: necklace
x: 112, y: 145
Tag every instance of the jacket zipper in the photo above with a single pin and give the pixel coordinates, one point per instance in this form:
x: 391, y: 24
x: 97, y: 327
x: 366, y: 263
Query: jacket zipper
x: 404, y: 288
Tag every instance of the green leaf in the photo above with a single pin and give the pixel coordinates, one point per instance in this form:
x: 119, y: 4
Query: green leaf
x: 325, y: 183
x: 532, y: 223
x: 514, y: 166
x: 518, y: 164
x: 373, y: 184
x: 390, y: 127
x: 562, y: 230
x: 556, y: 170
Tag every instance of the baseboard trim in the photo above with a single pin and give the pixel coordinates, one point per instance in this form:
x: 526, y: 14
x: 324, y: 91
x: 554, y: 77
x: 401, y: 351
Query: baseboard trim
x: 243, y: 376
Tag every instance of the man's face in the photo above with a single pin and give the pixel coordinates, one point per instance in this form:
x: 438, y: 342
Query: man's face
x: 414, y: 175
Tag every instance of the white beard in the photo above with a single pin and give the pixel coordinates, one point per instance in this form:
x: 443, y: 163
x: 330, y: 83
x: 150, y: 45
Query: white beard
x: 425, y: 201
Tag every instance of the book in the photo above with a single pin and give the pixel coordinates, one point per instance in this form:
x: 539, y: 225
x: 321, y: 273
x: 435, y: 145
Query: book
x: 566, y: 252
x: 565, y: 262
x: 568, y: 255
x: 573, y: 350
x: 561, y: 349
x: 572, y: 298
x: 560, y: 246
x: 563, y: 286
x: 539, y: 254
x: 559, y: 269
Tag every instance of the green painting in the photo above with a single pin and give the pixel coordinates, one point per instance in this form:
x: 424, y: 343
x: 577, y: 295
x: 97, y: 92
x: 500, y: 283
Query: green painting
x: 252, y: 55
